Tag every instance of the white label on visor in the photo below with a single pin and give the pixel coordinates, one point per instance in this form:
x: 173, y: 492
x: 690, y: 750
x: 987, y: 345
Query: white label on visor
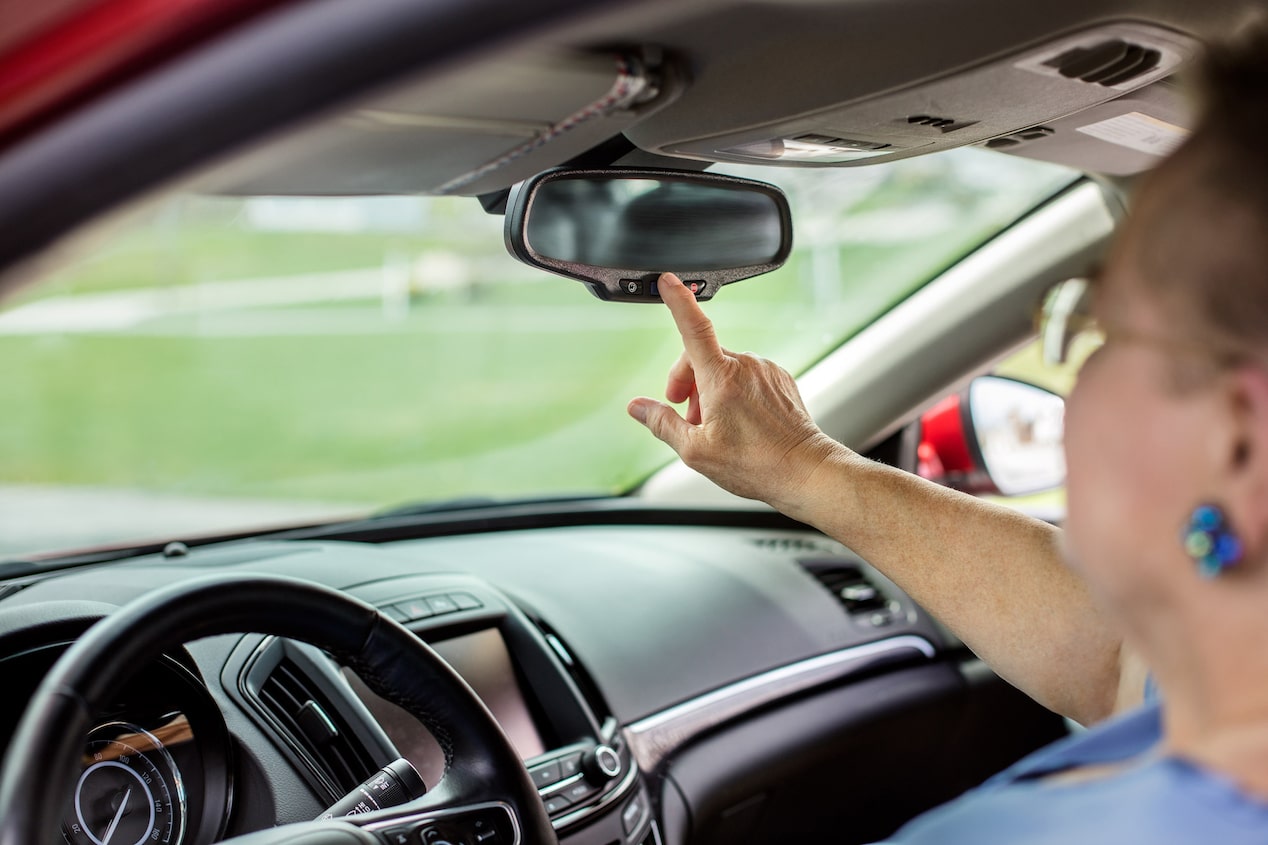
x: 1138, y: 131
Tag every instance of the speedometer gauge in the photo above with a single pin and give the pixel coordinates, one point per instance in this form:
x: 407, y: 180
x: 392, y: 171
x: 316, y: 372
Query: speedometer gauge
x: 129, y: 792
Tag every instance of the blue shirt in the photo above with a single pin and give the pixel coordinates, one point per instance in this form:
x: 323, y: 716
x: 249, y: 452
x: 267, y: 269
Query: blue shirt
x: 1159, y: 800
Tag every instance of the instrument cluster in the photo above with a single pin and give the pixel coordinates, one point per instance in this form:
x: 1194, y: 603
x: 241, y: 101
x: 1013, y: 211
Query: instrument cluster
x: 155, y: 768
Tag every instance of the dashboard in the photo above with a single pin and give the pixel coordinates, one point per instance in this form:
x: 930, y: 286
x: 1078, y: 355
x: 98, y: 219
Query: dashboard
x: 721, y: 681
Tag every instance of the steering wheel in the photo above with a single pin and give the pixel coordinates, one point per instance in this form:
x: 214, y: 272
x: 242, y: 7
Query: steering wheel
x: 484, y: 776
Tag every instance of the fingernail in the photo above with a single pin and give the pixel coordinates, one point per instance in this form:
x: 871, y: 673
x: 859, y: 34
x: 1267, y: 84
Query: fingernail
x: 638, y: 410
x: 670, y: 278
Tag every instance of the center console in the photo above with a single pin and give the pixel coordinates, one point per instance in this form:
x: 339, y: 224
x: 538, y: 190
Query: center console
x: 338, y: 731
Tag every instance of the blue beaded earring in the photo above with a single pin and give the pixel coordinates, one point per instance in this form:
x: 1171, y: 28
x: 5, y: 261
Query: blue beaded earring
x: 1210, y: 541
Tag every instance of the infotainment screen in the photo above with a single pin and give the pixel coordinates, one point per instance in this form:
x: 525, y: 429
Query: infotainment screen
x: 484, y: 663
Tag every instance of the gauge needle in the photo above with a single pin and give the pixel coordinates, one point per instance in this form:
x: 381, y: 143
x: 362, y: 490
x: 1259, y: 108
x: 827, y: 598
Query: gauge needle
x: 118, y: 814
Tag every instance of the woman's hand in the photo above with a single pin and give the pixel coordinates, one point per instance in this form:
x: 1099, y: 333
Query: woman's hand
x: 746, y: 427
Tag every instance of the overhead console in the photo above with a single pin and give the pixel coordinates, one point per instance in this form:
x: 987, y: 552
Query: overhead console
x: 1003, y: 102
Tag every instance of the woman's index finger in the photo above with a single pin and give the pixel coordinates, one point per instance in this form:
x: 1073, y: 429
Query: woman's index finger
x: 698, y: 336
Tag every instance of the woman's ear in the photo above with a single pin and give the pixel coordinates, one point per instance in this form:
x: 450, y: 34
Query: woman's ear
x: 1244, y: 455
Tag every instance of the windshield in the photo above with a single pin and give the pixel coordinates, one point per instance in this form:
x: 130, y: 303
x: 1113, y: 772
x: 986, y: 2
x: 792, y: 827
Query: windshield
x: 229, y: 363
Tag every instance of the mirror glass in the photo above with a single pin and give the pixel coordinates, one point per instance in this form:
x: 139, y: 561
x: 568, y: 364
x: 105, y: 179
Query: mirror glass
x: 653, y: 224
x: 1019, y: 430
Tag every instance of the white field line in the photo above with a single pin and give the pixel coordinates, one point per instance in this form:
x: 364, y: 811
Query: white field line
x: 124, y: 310
x: 293, y: 306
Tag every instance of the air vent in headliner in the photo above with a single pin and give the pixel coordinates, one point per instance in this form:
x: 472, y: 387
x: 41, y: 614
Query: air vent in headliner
x: 1035, y: 133
x: 1119, y: 57
x: 1107, y: 63
x: 314, y: 727
x: 942, y: 124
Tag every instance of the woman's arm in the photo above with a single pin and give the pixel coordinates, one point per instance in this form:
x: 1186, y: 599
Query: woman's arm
x: 993, y: 576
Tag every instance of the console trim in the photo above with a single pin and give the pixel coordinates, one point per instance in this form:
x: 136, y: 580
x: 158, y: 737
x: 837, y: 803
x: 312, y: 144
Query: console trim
x: 655, y: 737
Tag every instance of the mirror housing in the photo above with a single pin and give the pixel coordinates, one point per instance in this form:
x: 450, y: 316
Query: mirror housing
x: 618, y: 229
x: 998, y: 435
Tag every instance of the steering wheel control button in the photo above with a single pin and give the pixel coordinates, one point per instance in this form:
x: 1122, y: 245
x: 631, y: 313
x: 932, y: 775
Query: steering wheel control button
x: 435, y: 836
x: 601, y: 765
x: 398, y: 835
x: 545, y: 775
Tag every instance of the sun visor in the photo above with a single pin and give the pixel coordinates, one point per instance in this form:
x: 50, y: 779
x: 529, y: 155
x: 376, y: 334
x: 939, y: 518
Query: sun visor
x: 475, y: 130
x: 1120, y: 138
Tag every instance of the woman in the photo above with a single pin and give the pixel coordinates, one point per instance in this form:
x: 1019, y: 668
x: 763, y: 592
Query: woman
x: 1162, y: 571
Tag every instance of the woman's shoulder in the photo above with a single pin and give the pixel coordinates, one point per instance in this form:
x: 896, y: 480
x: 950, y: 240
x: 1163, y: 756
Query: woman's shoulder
x: 1147, y: 798
x: 1116, y: 740
x: 1163, y: 802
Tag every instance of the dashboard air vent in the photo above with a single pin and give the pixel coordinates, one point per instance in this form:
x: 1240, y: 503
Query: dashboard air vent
x: 855, y: 588
x: 848, y: 585
x: 7, y: 590
x: 1108, y: 63
x: 580, y: 677
x: 792, y: 544
x: 315, y: 727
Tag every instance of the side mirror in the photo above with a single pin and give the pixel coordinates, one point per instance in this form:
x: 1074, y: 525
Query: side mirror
x: 999, y: 435
x: 618, y: 229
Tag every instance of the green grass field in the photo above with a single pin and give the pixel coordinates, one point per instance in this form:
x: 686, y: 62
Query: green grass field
x: 511, y: 389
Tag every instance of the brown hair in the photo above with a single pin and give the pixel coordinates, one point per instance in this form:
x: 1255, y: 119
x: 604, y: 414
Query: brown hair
x: 1206, y: 241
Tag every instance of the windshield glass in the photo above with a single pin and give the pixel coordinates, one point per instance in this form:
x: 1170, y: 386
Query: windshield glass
x: 231, y: 363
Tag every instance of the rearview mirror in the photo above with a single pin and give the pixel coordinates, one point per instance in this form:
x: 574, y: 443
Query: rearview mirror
x: 617, y: 230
